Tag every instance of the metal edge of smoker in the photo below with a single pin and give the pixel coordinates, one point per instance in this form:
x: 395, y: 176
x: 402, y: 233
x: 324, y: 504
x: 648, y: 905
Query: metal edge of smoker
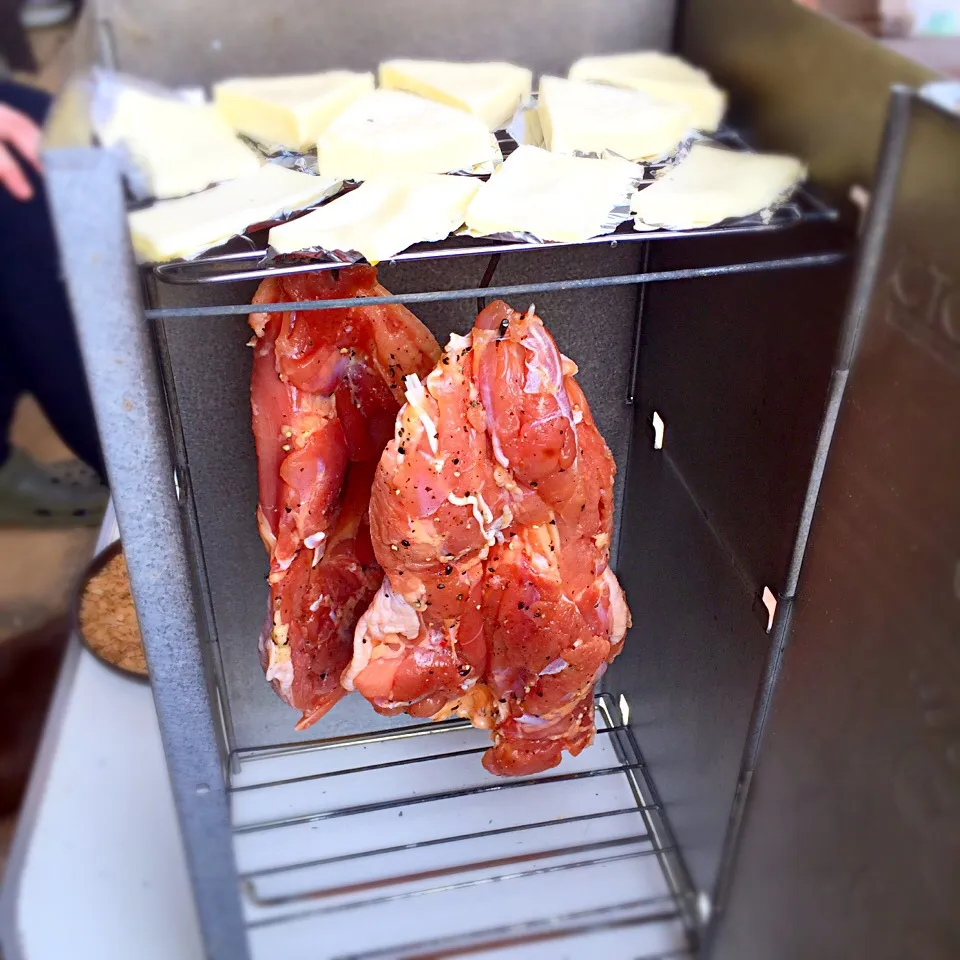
x: 848, y: 838
x: 864, y: 282
x: 87, y: 198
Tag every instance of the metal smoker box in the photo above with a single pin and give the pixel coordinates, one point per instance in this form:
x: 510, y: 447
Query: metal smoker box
x: 769, y: 776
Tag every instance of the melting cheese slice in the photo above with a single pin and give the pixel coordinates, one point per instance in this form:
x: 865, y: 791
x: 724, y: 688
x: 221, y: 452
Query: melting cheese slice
x: 662, y: 76
x: 383, y: 216
x: 579, y: 117
x: 491, y: 91
x: 550, y: 196
x: 177, y: 147
x: 188, y: 225
x: 389, y: 131
x: 290, y: 111
x: 712, y: 184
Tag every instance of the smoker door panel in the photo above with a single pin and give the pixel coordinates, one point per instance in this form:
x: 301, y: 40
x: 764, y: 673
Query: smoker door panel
x: 851, y: 838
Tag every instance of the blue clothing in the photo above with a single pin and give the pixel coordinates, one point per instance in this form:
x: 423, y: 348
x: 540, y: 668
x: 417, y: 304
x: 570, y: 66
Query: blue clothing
x: 38, y: 345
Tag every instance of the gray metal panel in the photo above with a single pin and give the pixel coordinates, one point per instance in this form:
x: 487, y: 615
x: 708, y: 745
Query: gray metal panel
x: 739, y: 368
x: 87, y: 197
x: 693, y: 661
x: 210, y: 367
x: 799, y: 81
x: 851, y: 836
x: 184, y: 42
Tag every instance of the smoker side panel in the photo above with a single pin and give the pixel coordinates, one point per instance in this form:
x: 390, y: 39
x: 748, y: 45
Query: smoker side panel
x: 851, y: 835
x: 86, y: 195
x: 183, y: 42
x: 693, y: 660
x: 210, y: 375
x: 738, y: 369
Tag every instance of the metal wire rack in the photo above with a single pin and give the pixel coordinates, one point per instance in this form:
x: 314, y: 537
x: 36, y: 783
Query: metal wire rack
x: 386, y: 841
x: 251, y: 264
x: 405, y: 865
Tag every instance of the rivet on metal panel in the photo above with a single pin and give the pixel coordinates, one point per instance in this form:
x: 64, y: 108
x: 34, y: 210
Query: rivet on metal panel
x: 624, y: 710
x: 860, y: 198
x: 658, y: 429
x: 704, y: 907
x: 770, y: 602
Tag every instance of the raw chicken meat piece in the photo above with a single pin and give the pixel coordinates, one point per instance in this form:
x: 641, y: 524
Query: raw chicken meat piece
x: 491, y: 514
x: 325, y: 391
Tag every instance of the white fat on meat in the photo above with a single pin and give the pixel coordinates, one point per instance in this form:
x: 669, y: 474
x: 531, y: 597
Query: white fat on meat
x: 279, y: 665
x: 388, y: 615
x: 489, y: 528
x: 618, y: 607
x: 266, y: 534
x: 273, y: 644
x: 544, y: 369
x: 417, y: 399
x: 497, y: 449
x: 555, y: 666
x: 457, y: 344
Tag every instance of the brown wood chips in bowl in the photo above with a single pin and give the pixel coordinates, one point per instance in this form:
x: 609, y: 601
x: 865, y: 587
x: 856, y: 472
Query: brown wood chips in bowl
x: 107, y: 617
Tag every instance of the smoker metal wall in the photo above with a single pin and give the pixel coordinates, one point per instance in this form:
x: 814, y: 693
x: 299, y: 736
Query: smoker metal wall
x: 210, y: 367
x: 799, y: 82
x: 183, y: 42
x: 738, y: 368
x: 851, y: 837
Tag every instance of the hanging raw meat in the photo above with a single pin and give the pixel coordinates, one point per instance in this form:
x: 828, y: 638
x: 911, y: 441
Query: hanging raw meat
x: 491, y: 514
x: 325, y: 391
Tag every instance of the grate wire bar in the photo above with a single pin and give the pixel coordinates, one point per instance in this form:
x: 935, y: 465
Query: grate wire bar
x: 538, y: 839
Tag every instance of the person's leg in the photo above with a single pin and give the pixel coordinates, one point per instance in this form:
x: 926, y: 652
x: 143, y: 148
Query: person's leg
x: 9, y: 394
x: 36, y: 326
x: 38, y: 342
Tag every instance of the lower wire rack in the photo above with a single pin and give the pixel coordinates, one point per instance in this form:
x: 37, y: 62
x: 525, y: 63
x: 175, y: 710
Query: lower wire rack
x: 400, y: 845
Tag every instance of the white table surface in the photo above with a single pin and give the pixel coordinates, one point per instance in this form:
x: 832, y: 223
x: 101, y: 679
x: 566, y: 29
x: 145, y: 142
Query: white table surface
x: 97, y: 867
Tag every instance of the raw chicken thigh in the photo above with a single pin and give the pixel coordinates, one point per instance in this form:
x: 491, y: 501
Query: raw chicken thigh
x: 491, y: 515
x: 325, y: 391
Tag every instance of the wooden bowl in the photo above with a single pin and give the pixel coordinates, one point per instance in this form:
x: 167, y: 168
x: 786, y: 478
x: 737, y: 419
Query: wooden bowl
x: 125, y: 658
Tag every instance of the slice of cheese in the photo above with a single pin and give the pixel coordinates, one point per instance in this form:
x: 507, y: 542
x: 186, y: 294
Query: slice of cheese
x: 712, y: 184
x: 185, y: 226
x: 491, y: 91
x: 551, y: 197
x: 382, y: 217
x: 591, y: 118
x: 176, y: 147
x: 289, y: 112
x: 390, y: 131
x: 662, y: 76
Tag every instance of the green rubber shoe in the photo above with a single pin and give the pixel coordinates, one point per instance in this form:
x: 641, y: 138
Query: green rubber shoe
x: 64, y: 494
